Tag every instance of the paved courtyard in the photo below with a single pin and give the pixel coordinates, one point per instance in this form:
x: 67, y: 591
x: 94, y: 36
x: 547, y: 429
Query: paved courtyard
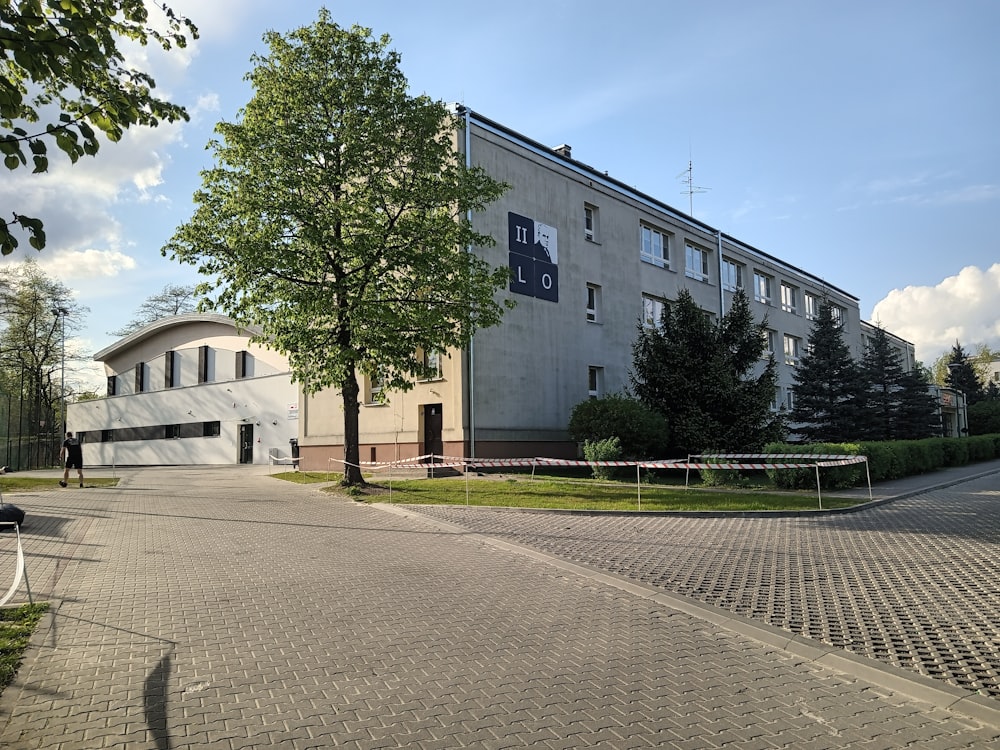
x: 221, y: 608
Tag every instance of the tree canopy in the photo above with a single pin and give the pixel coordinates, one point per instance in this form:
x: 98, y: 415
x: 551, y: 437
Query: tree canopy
x: 336, y: 218
x: 962, y: 375
x: 64, y: 80
x: 706, y: 379
x: 174, y: 299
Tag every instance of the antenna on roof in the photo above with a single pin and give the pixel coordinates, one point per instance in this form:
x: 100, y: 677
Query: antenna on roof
x: 687, y: 178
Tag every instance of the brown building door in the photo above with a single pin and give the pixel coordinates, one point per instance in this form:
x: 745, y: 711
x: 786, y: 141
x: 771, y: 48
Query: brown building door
x: 432, y: 429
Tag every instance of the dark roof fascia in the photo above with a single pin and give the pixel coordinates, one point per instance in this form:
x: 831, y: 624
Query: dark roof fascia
x: 585, y: 169
x: 173, y: 321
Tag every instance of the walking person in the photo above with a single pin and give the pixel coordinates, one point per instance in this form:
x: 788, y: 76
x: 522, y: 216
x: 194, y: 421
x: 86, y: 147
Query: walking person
x: 72, y: 454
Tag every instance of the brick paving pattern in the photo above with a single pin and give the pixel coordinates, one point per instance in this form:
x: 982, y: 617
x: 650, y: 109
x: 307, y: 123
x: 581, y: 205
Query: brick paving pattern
x: 218, y: 609
x: 915, y: 583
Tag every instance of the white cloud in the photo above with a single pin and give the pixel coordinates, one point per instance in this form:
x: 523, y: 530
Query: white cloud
x: 74, y: 265
x: 961, y: 307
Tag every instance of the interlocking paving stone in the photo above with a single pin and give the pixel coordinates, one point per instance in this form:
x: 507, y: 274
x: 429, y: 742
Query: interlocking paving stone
x: 215, y: 608
x: 915, y: 584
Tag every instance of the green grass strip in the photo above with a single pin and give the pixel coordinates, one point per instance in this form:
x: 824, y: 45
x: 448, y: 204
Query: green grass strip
x: 16, y: 626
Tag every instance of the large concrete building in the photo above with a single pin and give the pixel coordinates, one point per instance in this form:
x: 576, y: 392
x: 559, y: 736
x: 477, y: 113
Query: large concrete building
x: 591, y: 258
x: 189, y: 389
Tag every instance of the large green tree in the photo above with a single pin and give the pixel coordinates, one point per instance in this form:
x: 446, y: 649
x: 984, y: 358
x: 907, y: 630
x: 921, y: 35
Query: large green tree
x: 64, y: 80
x: 706, y: 377
x: 917, y: 414
x: 827, y: 387
x: 337, y: 218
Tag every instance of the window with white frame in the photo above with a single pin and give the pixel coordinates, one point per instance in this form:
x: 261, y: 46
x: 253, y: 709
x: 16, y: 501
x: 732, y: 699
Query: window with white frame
x: 695, y: 263
x: 593, y: 303
x: 732, y: 276
x: 375, y: 389
x: 652, y: 311
x: 791, y: 350
x: 790, y: 399
x: 776, y: 401
x: 838, y: 314
x: 812, y: 306
x: 770, y: 339
x: 655, y: 247
x: 432, y: 365
x: 762, y: 287
x: 789, y: 298
x: 595, y: 381
x: 590, y: 226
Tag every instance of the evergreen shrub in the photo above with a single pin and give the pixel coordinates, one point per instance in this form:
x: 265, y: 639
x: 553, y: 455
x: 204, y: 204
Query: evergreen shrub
x: 609, y: 449
x: 642, y: 432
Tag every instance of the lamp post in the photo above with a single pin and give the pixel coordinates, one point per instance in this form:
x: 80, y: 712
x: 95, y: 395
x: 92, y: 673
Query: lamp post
x: 61, y: 312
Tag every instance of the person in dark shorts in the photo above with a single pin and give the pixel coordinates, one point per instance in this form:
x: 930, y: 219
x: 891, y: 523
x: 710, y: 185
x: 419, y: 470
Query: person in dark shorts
x: 72, y: 454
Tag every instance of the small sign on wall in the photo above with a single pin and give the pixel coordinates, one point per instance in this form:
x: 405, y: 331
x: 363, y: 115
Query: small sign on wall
x: 293, y: 411
x: 534, y: 257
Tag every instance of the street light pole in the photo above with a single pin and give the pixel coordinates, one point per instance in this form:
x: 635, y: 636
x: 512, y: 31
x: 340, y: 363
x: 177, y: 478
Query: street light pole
x: 62, y: 312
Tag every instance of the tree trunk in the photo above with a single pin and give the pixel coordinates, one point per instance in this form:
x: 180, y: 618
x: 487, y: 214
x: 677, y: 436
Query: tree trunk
x: 352, y: 452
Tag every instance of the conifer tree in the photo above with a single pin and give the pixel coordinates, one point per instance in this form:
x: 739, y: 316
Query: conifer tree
x: 881, y: 373
x: 962, y: 375
x: 703, y: 377
x: 826, y: 384
x: 917, y: 413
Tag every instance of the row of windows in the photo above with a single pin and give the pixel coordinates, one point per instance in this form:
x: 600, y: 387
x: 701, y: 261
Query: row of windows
x: 654, y: 248
x: 154, y: 432
x: 171, y: 371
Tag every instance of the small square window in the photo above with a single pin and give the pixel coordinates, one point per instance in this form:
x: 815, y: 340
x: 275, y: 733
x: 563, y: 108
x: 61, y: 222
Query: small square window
x: 211, y: 429
x: 789, y: 298
x: 791, y: 351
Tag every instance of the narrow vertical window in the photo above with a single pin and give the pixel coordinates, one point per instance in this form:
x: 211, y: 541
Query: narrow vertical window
x: 590, y: 216
x: 593, y: 303
x: 241, y: 364
x: 169, y: 360
x: 203, y: 360
x: 595, y: 381
x: 140, y: 377
x: 112, y: 385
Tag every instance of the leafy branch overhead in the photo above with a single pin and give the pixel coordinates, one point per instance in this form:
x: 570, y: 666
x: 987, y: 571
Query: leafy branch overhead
x: 64, y: 81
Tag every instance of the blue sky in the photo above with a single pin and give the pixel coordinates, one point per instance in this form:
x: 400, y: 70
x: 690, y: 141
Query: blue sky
x: 856, y: 140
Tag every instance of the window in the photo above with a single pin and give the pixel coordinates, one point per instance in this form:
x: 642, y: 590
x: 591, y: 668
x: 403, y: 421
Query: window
x: 107, y: 436
x: 590, y: 227
x: 595, y: 381
x: 789, y: 298
x: 593, y: 303
x: 204, y: 361
x: 112, y: 385
x: 652, y: 311
x: 696, y: 263
x: 776, y: 400
x: 770, y: 337
x: 242, y: 364
x: 790, y: 399
x: 172, y: 431
x: 812, y: 306
x: 375, y: 388
x: 432, y: 366
x: 655, y: 247
x: 837, y: 313
x: 762, y: 288
x: 791, y: 350
x: 140, y: 377
x: 169, y: 360
x: 732, y: 276
x: 210, y: 429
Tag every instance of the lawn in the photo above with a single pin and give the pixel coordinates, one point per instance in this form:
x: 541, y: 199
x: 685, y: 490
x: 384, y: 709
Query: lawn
x: 16, y: 626
x: 560, y: 493
x: 28, y: 483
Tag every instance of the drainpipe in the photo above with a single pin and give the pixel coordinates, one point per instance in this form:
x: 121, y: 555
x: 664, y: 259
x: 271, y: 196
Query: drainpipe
x: 722, y: 293
x: 472, y: 358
